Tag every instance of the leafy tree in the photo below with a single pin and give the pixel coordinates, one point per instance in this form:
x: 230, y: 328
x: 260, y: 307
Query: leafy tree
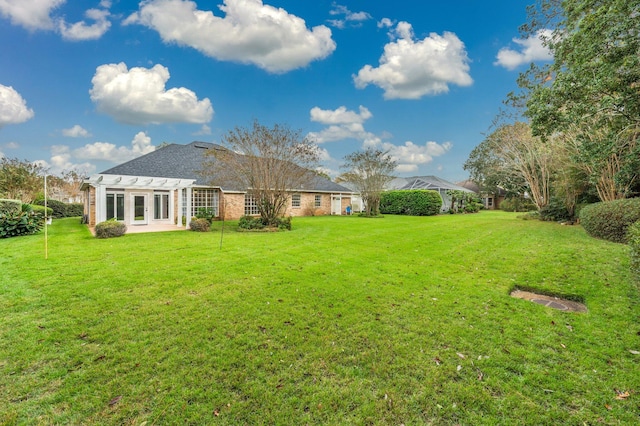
x: 590, y: 94
x: 511, y: 157
x: 369, y: 171
x: 21, y: 179
x: 268, y: 162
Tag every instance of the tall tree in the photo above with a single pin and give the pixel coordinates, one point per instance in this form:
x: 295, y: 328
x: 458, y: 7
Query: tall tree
x: 269, y: 163
x: 369, y: 171
x: 21, y: 179
x: 511, y: 156
x: 591, y: 92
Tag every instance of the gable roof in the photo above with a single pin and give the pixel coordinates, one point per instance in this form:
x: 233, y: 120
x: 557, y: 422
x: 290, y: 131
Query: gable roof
x: 186, y: 161
x: 425, y: 182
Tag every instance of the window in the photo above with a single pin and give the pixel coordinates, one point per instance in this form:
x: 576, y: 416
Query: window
x: 204, y: 199
x: 115, y: 206
x: 318, y: 202
x: 295, y: 201
x: 489, y: 201
x: 161, y: 206
x: 250, y: 206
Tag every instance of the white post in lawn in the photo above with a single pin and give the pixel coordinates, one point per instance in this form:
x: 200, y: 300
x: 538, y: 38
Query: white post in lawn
x: 46, y: 219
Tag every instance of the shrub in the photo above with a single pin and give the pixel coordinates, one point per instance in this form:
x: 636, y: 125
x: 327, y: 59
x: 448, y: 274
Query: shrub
x: 10, y: 206
x: 207, y: 214
x: 250, y: 222
x: 110, y: 228
x: 75, y: 209
x: 633, y: 237
x: 610, y: 220
x: 517, y: 204
x: 555, y: 211
x: 284, y: 223
x: 15, y: 224
x: 59, y: 208
x: 417, y: 202
x: 200, y: 224
x: 40, y: 211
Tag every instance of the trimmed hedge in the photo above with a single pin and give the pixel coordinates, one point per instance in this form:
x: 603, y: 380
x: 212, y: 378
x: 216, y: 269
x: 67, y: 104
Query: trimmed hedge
x: 15, y: 224
x: 415, y: 202
x: 10, y: 206
x: 61, y: 209
x: 110, y: 228
x: 40, y: 211
x: 633, y: 236
x: 610, y: 220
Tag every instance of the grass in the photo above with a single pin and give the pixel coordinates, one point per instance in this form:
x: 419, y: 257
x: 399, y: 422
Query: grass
x: 344, y: 320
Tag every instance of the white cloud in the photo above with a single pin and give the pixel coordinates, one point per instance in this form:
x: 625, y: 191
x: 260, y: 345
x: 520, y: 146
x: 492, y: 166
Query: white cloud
x: 62, y: 160
x: 354, y: 18
x: 411, y: 69
x: 140, y: 145
x: 13, y: 108
x: 37, y: 15
x: 347, y: 124
x: 250, y: 32
x: 530, y: 50
x: 32, y: 14
x: 82, y: 31
x: 12, y: 145
x: 409, y: 156
x: 77, y: 131
x: 139, y: 96
x: 386, y: 23
x: 340, y: 115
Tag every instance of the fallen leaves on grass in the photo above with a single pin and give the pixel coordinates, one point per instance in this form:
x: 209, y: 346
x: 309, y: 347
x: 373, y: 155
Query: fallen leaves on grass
x: 634, y: 352
x: 621, y: 395
x: 115, y: 400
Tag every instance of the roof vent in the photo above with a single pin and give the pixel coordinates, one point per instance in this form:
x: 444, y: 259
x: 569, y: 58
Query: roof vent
x: 201, y: 145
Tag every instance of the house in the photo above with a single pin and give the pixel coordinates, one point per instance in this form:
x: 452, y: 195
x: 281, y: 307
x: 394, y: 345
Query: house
x: 165, y: 187
x: 433, y: 183
x: 491, y: 201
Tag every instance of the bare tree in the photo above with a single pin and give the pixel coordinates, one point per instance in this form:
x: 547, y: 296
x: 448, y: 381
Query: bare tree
x: 269, y: 163
x: 369, y: 172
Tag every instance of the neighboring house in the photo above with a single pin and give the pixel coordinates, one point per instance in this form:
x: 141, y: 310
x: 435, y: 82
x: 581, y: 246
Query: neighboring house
x: 491, y: 201
x: 428, y: 182
x: 165, y: 187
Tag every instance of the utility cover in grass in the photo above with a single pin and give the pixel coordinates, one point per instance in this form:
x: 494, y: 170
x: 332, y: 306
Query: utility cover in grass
x: 550, y: 301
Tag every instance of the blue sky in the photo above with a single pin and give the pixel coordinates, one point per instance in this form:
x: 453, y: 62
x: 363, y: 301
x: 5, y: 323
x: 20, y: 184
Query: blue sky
x: 90, y: 84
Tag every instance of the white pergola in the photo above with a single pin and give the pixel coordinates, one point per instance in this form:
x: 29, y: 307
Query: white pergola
x: 102, y: 183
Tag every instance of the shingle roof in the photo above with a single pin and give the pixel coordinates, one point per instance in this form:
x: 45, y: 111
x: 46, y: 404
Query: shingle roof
x: 186, y: 162
x: 425, y: 182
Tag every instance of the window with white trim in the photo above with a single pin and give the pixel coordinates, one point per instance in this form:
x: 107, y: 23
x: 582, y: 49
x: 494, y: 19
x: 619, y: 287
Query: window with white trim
x: 295, y: 201
x: 318, y: 202
x: 115, y: 205
x: 161, y: 205
x: 204, y: 198
x: 250, y: 206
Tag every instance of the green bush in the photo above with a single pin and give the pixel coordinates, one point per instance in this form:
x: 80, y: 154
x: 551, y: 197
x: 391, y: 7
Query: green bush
x: 15, y: 224
x: 75, y: 209
x: 284, y: 223
x: 200, y: 225
x: 10, y: 206
x: 555, y: 211
x: 251, y: 222
x: 416, y: 202
x: 610, y: 220
x: 204, y: 213
x: 110, y: 228
x: 517, y: 204
x: 633, y: 237
x: 40, y: 211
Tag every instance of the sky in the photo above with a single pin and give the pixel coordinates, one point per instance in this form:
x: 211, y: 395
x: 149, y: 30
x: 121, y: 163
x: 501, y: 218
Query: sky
x: 86, y: 85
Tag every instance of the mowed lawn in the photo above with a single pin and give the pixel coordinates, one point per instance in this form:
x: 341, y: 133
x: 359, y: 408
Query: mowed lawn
x: 344, y: 320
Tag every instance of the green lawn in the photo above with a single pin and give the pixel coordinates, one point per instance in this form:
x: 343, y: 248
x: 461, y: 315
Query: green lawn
x: 344, y: 320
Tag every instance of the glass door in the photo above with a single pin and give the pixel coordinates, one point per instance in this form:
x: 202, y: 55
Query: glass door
x: 139, y: 210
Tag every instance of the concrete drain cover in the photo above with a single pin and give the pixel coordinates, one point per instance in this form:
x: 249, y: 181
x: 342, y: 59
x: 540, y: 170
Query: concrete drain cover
x: 550, y: 301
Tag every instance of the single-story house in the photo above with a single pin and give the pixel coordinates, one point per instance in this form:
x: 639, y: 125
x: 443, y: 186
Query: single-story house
x: 166, y: 187
x: 433, y: 183
x: 491, y: 201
